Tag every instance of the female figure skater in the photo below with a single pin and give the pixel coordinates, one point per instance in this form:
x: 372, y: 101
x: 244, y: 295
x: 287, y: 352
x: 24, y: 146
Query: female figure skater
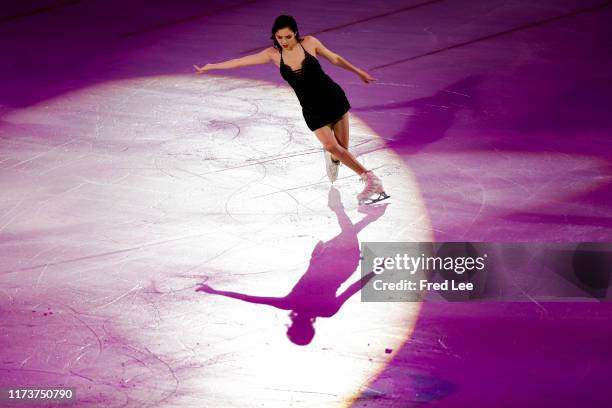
x: 324, y: 104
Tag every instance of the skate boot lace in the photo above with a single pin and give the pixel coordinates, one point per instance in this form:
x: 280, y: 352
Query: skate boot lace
x: 369, y: 187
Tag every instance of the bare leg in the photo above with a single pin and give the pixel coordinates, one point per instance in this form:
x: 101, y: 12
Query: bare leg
x: 341, y: 131
x: 329, y: 142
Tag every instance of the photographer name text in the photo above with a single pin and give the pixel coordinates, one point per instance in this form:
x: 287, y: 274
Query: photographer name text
x: 422, y: 285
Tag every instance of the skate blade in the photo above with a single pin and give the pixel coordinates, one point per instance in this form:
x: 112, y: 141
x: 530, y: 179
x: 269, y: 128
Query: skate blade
x: 381, y: 196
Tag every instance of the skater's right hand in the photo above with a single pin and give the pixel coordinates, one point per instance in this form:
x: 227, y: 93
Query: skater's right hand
x: 365, y: 77
x: 204, y: 69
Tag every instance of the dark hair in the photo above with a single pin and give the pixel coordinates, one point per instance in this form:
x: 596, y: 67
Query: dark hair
x: 284, y: 21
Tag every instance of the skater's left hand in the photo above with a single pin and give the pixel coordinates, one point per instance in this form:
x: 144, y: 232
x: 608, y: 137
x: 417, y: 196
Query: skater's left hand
x: 365, y: 77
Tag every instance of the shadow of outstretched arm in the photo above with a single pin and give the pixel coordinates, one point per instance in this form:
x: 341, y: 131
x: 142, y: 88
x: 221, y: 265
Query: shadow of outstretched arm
x: 372, y: 213
x: 354, y: 288
x: 278, y: 302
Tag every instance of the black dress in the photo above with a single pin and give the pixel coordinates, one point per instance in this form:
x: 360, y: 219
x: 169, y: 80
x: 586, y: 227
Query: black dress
x: 323, y: 101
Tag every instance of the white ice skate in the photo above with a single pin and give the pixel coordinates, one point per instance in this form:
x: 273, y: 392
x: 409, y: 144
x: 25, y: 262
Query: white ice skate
x: 373, y: 186
x: 331, y: 167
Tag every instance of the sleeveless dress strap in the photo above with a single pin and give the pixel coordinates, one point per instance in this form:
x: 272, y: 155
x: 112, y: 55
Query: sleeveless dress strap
x: 305, y: 52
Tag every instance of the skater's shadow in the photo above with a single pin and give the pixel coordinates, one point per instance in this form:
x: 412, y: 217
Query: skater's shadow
x: 331, y: 264
x: 431, y: 117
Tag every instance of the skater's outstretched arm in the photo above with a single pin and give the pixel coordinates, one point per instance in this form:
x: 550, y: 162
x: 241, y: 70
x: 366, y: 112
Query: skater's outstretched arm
x: 340, y: 61
x: 262, y: 57
x: 280, y: 303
